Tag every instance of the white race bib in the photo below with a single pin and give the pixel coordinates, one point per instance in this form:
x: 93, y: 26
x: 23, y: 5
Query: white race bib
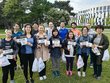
x: 7, y: 51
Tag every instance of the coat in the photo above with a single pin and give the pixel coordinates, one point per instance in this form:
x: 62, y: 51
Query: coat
x: 42, y: 52
x: 103, y: 42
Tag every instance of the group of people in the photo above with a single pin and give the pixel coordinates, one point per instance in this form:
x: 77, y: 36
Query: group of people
x: 51, y: 43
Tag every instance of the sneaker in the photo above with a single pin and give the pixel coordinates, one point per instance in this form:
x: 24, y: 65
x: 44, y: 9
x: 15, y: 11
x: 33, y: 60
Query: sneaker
x: 27, y: 81
x: 71, y: 73
x: 91, y: 66
x: 40, y: 78
x: 12, y: 81
x: 98, y: 78
x: 44, y: 77
x: 83, y: 74
x: 79, y: 73
x: 67, y: 73
x: 58, y: 73
x: 31, y: 80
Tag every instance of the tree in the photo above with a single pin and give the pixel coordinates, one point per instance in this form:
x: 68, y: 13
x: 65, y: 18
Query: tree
x: 64, y: 5
x: 39, y: 10
x: 56, y: 15
x: 13, y: 10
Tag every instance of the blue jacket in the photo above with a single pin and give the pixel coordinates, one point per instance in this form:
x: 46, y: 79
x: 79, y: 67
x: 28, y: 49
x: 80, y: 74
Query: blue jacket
x: 62, y: 33
x: 83, y: 49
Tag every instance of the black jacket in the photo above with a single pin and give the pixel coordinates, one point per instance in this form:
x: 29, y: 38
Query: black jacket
x: 103, y: 42
x: 56, y: 51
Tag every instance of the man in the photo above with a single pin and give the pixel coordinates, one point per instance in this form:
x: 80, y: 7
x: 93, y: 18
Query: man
x: 76, y: 32
x: 63, y: 31
x: 49, y: 30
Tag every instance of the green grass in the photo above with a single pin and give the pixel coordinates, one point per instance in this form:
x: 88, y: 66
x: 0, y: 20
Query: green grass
x: 19, y: 78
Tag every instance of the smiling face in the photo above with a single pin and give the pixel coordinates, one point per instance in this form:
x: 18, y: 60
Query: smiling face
x: 16, y: 27
x: 99, y: 30
x: 55, y: 33
x: 28, y: 29
x: 8, y: 33
x: 70, y: 35
x: 35, y: 26
x: 41, y: 29
x: 62, y: 24
x: 73, y: 25
x: 51, y: 24
x: 84, y: 31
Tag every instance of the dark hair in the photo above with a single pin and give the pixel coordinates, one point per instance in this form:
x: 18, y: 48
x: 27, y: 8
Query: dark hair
x: 28, y: 24
x: 35, y: 23
x: 54, y: 31
x: 15, y: 23
x: 84, y: 27
x: 99, y: 27
x: 73, y: 23
x: 13, y: 27
x: 68, y: 35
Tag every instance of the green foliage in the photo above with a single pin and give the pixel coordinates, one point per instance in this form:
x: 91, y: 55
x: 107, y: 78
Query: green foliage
x: 63, y: 5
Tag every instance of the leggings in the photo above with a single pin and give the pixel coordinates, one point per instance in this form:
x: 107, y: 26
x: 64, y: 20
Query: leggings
x: 69, y: 63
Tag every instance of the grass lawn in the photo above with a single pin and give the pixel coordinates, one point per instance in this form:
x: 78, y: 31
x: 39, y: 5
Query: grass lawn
x: 19, y: 78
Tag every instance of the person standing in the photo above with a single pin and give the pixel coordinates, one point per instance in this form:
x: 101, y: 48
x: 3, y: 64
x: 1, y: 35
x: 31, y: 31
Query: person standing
x: 27, y: 51
x: 76, y: 32
x: 91, y: 33
x: 63, y: 31
x: 101, y: 43
x: 35, y: 27
x: 68, y: 45
x: 49, y: 30
x: 9, y: 46
x: 55, y: 52
x: 42, y: 50
x: 16, y: 33
x: 83, y: 49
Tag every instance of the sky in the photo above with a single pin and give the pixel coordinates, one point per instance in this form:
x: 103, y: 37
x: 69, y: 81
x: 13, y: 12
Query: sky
x: 83, y: 4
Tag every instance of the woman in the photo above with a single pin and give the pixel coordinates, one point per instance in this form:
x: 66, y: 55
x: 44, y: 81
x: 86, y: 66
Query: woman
x: 42, y: 50
x: 68, y: 45
x: 9, y: 46
x: 83, y: 49
x: 55, y: 52
x: 101, y: 43
x: 27, y: 51
x: 16, y: 34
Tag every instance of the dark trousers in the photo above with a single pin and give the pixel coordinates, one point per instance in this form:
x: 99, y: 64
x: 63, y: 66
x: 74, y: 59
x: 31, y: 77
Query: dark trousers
x: 85, y: 58
x: 6, y: 70
x: 55, y: 63
x: 97, y: 65
x: 43, y: 72
x: 21, y: 58
x: 91, y: 57
x: 69, y: 63
x: 28, y: 61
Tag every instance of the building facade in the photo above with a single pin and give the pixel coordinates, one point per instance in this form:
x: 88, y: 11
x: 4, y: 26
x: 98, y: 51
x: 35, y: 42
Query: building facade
x: 95, y: 15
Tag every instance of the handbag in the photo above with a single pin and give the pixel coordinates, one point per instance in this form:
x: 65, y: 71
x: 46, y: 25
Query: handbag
x: 80, y: 62
x: 35, y: 65
x: 41, y: 65
x: 106, y: 55
x: 4, y: 61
